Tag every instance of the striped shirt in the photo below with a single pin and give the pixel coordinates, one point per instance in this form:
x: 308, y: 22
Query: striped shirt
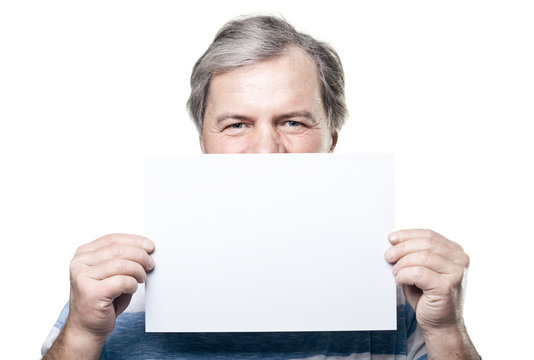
x: 130, y: 341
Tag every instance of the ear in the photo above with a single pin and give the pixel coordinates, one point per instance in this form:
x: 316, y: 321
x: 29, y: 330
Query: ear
x: 201, y: 141
x: 334, y: 141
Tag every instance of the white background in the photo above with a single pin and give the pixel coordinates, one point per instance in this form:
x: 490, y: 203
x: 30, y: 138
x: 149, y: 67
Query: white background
x: 87, y: 89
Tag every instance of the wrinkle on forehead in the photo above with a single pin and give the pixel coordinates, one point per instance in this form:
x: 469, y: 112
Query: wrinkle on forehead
x: 290, y: 86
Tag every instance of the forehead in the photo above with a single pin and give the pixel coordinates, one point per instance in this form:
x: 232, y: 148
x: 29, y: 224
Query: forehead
x: 291, y: 77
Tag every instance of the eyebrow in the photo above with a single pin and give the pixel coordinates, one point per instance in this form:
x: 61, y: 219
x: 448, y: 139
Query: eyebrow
x: 225, y: 116
x: 293, y: 114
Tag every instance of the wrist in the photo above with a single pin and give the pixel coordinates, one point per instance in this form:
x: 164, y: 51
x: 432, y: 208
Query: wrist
x: 450, y: 342
x: 76, y: 343
x: 81, y: 337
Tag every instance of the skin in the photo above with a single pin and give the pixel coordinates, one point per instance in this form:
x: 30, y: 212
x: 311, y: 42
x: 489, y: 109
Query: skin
x: 273, y: 106
x: 432, y: 272
x: 103, y: 276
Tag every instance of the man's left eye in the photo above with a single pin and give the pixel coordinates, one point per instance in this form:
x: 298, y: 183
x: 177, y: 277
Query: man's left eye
x: 293, y: 123
x: 293, y: 127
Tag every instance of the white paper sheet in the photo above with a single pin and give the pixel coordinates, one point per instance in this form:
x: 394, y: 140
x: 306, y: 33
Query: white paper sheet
x: 269, y: 242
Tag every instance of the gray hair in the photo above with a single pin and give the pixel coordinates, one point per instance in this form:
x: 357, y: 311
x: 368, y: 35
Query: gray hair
x: 250, y: 40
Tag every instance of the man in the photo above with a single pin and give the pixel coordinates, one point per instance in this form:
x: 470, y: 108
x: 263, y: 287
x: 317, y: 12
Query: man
x: 263, y: 87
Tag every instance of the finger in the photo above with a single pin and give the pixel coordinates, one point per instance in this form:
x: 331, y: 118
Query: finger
x: 452, y: 253
x: 419, y: 276
x: 399, y: 236
x: 117, y: 251
x: 121, y: 239
x: 118, y: 267
x: 428, y: 260
x: 117, y: 285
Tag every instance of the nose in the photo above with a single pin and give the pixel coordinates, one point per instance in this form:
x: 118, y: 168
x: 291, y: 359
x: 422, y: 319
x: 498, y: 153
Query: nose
x: 267, y: 139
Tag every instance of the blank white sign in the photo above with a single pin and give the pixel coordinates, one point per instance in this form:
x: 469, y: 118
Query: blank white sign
x: 269, y: 242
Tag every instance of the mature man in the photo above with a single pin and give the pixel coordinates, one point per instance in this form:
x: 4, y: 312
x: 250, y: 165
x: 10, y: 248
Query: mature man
x: 263, y: 87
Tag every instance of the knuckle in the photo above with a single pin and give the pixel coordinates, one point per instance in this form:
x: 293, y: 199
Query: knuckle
x: 136, y: 242
x: 115, y: 250
x: 80, y: 250
x: 457, y: 246
x: 458, y: 275
x: 110, y: 238
x: 140, y: 243
x: 127, y: 282
x: 466, y: 260
x: 132, y: 284
x: 142, y: 276
x: 114, y: 238
x: 461, y: 259
x: 419, y: 272
x: 144, y: 258
x: 118, y: 266
x: 78, y: 281
x: 425, y: 257
x: 75, y: 266
x: 428, y: 243
x: 74, y: 263
x: 137, y: 255
x: 401, y: 263
x: 122, y: 282
x: 106, y: 238
x: 401, y: 234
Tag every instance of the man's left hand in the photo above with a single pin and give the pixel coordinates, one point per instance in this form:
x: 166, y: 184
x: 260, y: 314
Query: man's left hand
x: 432, y: 272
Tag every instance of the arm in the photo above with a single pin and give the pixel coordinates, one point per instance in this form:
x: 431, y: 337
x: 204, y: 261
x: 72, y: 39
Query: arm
x: 431, y: 270
x: 103, y: 275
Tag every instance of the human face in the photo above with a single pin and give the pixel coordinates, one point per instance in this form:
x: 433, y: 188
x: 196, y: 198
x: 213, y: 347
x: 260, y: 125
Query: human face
x: 274, y: 106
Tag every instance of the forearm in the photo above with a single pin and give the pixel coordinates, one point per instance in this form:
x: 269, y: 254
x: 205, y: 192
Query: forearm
x: 72, y: 345
x: 450, y: 344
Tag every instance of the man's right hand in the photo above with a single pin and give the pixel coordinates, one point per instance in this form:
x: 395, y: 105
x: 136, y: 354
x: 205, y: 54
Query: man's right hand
x: 103, y: 276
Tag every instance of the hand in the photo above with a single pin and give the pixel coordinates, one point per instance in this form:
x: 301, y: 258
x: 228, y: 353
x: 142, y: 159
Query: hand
x: 431, y: 270
x: 104, y: 274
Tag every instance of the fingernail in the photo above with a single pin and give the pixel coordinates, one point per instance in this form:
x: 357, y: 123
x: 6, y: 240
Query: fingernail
x: 394, y: 237
x: 151, y: 263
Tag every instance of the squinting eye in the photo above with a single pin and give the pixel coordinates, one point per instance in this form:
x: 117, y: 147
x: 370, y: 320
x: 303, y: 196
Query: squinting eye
x: 293, y: 123
x: 237, y: 128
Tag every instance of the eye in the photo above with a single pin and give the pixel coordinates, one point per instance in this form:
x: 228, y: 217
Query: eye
x: 293, y: 123
x: 235, y: 128
x: 293, y: 127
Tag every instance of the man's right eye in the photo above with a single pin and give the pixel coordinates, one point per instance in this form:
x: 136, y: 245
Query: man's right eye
x: 235, y: 129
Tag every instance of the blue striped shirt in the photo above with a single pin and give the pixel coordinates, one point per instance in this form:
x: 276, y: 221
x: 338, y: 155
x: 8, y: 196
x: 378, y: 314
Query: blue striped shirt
x: 130, y: 341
